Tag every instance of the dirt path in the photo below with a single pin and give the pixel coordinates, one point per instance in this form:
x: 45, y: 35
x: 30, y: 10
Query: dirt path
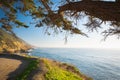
x: 11, y: 66
x: 7, y: 66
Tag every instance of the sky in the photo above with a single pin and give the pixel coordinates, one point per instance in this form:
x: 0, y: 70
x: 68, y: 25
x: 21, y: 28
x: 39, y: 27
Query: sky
x: 37, y: 37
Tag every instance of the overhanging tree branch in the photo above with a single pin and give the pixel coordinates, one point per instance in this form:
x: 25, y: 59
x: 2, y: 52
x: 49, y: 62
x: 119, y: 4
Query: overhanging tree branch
x: 96, y: 11
x: 106, y: 11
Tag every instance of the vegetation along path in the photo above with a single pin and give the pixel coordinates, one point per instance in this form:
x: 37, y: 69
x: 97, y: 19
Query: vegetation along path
x: 24, y: 67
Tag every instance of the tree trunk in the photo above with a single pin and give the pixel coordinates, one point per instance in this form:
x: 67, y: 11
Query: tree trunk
x: 106, y: 11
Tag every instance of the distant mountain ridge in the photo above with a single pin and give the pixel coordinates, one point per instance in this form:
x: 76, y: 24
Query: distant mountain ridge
x: 10, y: 43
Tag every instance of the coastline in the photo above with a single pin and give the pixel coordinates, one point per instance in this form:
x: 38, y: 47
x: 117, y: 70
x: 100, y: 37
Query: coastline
x: 43, y: 67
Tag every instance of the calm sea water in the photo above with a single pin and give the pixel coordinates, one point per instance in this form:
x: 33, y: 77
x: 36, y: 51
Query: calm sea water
x: 99, y: 64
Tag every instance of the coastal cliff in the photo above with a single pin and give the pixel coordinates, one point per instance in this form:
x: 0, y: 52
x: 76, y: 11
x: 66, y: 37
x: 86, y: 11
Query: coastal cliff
x: 11, y: 43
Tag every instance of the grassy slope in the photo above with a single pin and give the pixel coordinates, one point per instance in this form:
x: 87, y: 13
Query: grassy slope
x: 56, y: 72
x: 52, y: 70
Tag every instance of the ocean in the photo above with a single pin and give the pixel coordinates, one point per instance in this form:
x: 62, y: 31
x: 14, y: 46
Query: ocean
x: 100, y: 64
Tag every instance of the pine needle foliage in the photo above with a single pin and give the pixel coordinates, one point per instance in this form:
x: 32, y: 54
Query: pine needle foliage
x: 97, y: 12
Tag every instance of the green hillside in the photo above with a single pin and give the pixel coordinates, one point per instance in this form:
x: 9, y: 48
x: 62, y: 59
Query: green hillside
x: 10, y: 43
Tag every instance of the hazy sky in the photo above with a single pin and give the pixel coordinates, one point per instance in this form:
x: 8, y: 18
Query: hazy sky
x: 37, y: 37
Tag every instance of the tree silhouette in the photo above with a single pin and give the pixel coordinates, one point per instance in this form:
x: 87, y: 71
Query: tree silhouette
x: 65, y: 17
